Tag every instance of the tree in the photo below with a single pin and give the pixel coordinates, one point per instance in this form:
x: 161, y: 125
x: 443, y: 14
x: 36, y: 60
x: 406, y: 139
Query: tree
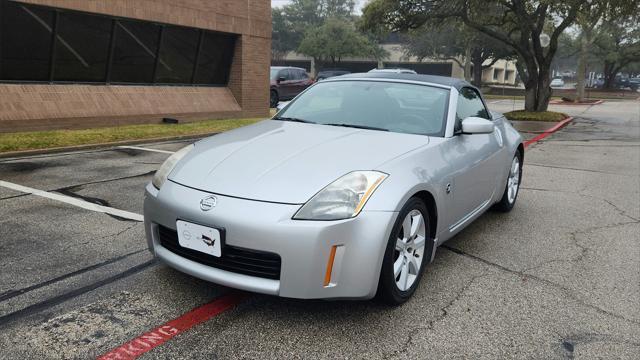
x: 587, y: 21
x: 335, y: 40
x: 283, y: 39
x: 594, y: 22
x: 314, y: 12
x: 454, y: 41
x: 618, y: 45
x: 290, y: 22
x: 518, y: 24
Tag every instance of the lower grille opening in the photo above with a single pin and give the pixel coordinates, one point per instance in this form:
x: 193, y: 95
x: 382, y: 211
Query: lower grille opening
x: 234, y: 259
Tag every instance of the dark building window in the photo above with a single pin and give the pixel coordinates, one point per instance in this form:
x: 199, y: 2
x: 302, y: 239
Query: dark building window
x: 58, y: 45
x: 82, y: 47
x: 134, y: 55
x: 177, y: 55
x: 212, y: 58
x: 25, y: 42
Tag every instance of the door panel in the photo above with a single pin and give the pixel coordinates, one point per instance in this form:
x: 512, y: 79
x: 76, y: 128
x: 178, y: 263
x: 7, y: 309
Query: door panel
x: 302, y: 81
x: 475, y: 159
x: 297, y: 81
x: 286, y: 86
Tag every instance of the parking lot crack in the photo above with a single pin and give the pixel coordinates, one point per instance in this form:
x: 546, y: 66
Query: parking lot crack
x: 581, y: 193
x: 570, y: 293
x: 94, y: 200
x: 77, y: 186
x: 620, y: 211
x: 445, y: 309
x: 583, y: 249
x: 107, y: 236
x: 13, y: 293
x: 444, y: 312
x: 127, y: 229
x: 577, y: 169
x: 46, y: 304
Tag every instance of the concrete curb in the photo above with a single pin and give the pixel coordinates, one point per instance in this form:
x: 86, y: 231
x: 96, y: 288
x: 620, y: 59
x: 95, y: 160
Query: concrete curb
x: 57, y: 150
x: 549, y: 131
x: 560, y: 102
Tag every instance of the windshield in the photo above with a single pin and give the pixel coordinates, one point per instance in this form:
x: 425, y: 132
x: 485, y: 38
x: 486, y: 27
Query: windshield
x: 396, y: 107
x: 274, y: 73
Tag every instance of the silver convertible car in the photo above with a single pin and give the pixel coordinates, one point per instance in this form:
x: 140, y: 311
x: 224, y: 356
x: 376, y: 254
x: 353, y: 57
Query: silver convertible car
x: 345, y: 193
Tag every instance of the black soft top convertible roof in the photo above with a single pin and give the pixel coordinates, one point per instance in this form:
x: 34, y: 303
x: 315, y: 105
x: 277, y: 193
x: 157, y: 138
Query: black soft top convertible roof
x: 434, y: 79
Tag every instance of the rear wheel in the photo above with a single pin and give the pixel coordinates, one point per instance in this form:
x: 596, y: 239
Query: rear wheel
x: 274, y: 99
x: 513, y: 185
x: 408, y: 253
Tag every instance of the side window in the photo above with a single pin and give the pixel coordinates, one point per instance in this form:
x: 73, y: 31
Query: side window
x: 284, y: 74
x: 470, y: 104
x: 296, y: 74
x: 302, y: 75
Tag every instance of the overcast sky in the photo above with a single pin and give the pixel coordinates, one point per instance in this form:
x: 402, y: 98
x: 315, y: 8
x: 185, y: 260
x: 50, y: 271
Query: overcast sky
x: 359, y: 4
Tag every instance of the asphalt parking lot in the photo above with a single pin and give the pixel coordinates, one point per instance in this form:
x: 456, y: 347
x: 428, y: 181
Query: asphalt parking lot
x: 558, y: 277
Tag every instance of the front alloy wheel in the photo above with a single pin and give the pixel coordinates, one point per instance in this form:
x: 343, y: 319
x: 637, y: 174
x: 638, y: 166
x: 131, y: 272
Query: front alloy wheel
x: 407, y: 254
x: 513, y: 185
x: 514, y: 180
x: 409, y: 250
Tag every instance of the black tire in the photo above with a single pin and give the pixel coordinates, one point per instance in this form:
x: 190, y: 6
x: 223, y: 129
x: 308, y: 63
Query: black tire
x: 274, y: 99
x: 505, y: 205
x: 388, y: 292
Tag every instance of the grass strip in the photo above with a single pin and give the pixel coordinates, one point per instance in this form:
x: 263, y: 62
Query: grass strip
x: 63, y: 138
x: 523, y: 115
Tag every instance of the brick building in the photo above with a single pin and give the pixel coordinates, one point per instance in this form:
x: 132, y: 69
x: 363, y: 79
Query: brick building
x: 80, y: 63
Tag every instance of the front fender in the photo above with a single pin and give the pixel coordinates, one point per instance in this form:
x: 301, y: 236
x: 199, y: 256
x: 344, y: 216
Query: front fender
x: 410, y: 175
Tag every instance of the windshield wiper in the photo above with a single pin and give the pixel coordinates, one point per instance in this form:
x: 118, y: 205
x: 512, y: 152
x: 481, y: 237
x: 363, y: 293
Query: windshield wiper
x: 293, y: 119
x: 359, y: 126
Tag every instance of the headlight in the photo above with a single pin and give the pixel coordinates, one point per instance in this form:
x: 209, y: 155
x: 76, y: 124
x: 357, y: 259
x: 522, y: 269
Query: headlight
x: 161, y: 175
x: 342, y: 199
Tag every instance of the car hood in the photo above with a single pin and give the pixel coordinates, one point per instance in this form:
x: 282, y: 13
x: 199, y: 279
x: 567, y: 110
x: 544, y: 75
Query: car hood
x: 286, y: 162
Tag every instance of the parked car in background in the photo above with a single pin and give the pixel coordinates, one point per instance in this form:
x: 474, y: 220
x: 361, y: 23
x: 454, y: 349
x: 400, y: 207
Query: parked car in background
x: 619, y: 83
x: 328, y: 73
x: 557, y: 83
x: 393, y: 71
x: 634, y: 83
x: 286, y: 83
x: 597, y: 84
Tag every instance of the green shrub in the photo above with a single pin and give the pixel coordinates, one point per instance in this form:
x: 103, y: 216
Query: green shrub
x: 523, y: 115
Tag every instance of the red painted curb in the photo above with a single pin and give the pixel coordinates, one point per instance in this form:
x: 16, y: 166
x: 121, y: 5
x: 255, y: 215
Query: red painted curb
x: 549, y: 131
x: 158, y: 336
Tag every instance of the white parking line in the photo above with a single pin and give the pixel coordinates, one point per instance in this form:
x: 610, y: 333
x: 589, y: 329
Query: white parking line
x: 73, y: 201
x: 146, y: 149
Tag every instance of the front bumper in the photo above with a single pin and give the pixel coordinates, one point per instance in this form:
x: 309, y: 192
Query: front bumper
x: 304, y: 246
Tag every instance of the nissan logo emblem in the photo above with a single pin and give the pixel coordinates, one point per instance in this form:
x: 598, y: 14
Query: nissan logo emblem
x: 208, y: 203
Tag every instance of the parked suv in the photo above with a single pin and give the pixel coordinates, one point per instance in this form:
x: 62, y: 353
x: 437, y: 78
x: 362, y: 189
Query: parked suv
x: 286, y: 83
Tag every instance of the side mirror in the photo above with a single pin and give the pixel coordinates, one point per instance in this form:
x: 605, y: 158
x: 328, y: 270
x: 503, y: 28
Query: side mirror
x: 476, y: 125
x: 281, y: 78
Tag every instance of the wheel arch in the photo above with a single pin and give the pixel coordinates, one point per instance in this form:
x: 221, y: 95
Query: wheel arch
x: 430, y: 202
x: 520, y: 149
